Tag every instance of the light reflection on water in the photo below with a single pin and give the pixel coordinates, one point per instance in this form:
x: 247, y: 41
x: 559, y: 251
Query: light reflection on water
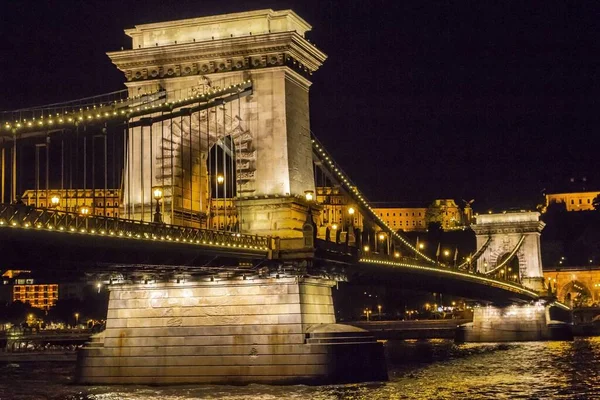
x: 435, y: 369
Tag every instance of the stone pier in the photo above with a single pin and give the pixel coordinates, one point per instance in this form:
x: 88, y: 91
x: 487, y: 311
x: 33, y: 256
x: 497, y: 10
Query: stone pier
x: 516, y: 323
x: 231, y: 331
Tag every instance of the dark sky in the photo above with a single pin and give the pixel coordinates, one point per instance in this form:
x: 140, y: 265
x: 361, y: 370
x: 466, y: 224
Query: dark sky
x: 418, y: 100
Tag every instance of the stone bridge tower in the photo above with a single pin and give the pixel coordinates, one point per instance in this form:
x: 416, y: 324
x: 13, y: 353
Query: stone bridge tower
x: 514, y: 235
x: 274, y: 169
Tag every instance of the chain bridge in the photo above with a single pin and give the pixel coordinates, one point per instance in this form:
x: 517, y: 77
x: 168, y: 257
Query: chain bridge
x: 219, y: 257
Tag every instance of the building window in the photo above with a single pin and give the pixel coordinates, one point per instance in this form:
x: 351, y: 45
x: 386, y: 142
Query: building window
x: 572, y: 201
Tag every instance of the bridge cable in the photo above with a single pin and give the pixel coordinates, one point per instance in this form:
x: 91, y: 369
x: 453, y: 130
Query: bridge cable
x: 507, y: 259
x: 477, y: 254
x: 352, y: 190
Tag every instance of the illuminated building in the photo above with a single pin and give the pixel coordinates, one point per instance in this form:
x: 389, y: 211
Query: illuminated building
x: 574, y: 201
x: 404, y: 218
x: 97, y: 201
x: 337, y: 208
x: 223, y: 214
x: 398, y: 216
x: 448, y: 214
x: 26, y: 290
x: 40, y: 295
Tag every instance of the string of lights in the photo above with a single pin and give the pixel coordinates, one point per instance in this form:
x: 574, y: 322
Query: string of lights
x: 74, y: 118
x: 508, y: 258
x: 353, y: 191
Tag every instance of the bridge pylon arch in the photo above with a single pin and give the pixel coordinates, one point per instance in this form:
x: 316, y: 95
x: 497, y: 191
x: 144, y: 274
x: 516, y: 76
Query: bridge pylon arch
x: 274, y: 166
x: 511, y: 235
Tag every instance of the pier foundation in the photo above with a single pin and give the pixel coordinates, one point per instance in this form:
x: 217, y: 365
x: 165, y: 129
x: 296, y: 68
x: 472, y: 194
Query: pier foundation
x: 233, y: 331
x: 528, y: 322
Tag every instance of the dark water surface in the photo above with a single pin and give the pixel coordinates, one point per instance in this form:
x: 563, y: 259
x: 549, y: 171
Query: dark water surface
x: 435, y: 369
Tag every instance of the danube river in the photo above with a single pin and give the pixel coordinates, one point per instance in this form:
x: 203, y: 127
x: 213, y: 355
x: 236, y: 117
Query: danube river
x: 435, y: 369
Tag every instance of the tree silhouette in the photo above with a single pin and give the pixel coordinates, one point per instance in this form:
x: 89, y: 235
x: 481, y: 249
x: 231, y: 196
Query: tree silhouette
x: 596, y: 203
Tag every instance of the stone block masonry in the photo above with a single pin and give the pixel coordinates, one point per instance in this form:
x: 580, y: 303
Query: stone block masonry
x: 235, y: 331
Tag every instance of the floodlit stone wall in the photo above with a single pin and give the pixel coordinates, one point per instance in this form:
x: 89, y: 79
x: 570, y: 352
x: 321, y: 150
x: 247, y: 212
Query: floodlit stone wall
x: 521, y: 322
x: 244, y: 331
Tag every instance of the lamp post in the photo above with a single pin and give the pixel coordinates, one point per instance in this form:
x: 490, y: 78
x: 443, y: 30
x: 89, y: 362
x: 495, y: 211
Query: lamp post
x: 55, y: 200
x: 84, y: 211
x: 158, y: 194
x: 220, y: 180
x: 384, y: 243
x: 309, y: 195
x: 379, y: 311
x: 76, y: 319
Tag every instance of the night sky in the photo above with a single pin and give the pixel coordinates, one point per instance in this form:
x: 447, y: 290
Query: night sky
x: 418, y: 100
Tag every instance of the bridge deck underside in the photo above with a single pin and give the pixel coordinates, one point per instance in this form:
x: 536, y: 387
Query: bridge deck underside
x: 64, y: 255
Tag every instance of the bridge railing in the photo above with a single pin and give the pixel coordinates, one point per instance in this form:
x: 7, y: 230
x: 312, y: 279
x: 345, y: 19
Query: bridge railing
x: 411, y: 262
x: 386, y: 257
x: 22, y: 216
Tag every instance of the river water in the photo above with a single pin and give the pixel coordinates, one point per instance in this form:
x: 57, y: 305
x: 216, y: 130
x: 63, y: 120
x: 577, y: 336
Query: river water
x: 435, y: 369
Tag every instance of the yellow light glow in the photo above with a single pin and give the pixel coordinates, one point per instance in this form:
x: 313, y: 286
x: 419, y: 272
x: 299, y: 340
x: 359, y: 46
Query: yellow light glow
x: 220, y: 179
x: 351, y: 211
x: 158, y: 193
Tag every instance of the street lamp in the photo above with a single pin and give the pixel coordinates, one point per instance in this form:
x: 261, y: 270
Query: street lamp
x: 85, y: 211
x: 351, y: 211
x: 54, y: 200
x: 379, y: 311
x: 220, y: 180
x: 421, y: 246
x: 76, y: 318
x: 308, y: 195
x: 158, y: 194
x: 446, y: 253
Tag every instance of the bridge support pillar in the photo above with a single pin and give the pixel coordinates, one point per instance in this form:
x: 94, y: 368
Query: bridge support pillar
x: 534, y: 283
x: 284, y: 217
x: 515, y: 323
x: 229, y: 331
